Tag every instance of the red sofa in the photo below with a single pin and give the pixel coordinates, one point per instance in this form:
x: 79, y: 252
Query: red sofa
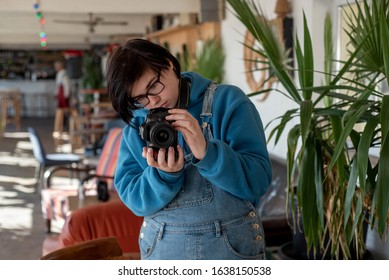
x: 111, y: 218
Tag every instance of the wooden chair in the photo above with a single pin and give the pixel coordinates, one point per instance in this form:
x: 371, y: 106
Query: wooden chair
x: 97, y: 249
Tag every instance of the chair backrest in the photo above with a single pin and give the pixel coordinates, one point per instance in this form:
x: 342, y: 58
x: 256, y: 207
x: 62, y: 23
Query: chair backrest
x: 118, y: 122
x: 97, y: 249
x: 106, y: 165
x: 37, y: 147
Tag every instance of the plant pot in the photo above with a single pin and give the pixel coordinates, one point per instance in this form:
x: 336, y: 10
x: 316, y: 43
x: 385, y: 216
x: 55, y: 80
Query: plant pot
x: 286, y: 252
x: 297, y: 249
x: 379, y: 247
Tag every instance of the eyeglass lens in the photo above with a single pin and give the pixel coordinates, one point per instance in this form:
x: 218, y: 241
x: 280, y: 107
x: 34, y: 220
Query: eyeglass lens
x: 143, y: 100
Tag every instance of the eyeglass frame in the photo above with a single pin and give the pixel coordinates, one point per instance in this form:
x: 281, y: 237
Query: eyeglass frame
x: 139, y: 105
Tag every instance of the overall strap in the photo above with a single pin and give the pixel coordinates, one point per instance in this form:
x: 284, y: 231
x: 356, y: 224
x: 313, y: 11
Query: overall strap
x: 206, y: 114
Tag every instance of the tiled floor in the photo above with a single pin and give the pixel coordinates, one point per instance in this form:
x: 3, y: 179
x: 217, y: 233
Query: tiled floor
x: 22, y: 228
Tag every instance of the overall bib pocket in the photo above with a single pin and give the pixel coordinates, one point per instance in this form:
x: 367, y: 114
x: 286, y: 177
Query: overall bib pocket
x: 196, y: 190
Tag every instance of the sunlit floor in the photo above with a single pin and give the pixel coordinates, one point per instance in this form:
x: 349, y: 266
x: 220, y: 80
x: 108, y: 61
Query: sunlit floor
x: 22, y: 229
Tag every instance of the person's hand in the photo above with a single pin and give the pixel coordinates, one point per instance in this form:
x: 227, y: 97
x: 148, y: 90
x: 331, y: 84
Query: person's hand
x: 184, y: 122
x: 165, y: 163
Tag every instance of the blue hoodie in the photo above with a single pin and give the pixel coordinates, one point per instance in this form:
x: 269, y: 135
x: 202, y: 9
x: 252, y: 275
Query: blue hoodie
x: 236, y: 160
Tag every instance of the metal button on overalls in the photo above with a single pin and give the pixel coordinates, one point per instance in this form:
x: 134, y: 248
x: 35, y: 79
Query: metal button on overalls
x: 259, y: 238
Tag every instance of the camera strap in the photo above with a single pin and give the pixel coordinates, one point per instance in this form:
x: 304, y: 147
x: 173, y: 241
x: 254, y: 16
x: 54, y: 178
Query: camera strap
x: 183, y: 97
x: 206, y: 113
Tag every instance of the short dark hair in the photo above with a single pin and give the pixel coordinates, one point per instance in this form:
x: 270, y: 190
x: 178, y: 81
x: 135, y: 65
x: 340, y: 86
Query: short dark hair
x: 127, y: 64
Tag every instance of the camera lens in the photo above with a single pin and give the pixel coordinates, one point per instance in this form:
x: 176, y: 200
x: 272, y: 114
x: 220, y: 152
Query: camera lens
x: 163, y: 135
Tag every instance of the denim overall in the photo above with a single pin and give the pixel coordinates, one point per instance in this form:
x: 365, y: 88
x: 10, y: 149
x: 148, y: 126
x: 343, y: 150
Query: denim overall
x: 203, y: 221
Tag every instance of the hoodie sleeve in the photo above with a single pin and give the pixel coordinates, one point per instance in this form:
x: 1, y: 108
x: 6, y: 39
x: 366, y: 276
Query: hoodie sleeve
x: 144, y: 189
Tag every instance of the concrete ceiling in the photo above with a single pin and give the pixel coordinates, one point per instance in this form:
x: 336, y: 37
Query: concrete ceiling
x: 19, y: 27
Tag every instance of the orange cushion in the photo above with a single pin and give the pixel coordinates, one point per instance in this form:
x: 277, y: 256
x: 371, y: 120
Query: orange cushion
x: 111, y: 218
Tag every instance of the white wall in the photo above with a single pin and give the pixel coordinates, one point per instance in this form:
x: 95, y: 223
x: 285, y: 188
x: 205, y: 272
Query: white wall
x: 233, y: 34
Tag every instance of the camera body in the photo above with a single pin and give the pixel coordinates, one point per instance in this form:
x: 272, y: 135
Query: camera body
x: 157, y: 131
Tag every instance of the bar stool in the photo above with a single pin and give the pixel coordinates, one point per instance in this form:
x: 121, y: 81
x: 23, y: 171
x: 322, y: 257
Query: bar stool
x: 10, y: 101
x: 61, y: 133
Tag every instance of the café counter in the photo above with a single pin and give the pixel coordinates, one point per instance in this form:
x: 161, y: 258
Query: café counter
x: 37, y: 97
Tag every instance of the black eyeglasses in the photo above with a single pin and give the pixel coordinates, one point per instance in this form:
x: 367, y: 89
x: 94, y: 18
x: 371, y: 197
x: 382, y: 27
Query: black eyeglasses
x: 143, y: 100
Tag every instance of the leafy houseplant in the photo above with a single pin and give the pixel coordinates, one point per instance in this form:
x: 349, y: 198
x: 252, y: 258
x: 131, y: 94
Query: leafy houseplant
x: 208, y: 61
x: 92, y: 77
x: 338, y: 183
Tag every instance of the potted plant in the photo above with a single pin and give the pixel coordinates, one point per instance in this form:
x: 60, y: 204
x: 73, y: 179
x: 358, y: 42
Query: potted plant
x: 92, y: 76
x: 338, y: 184
x: 208, y: 60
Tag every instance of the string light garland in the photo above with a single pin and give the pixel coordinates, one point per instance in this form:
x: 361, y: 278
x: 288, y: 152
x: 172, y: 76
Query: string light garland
x: 42, y: 21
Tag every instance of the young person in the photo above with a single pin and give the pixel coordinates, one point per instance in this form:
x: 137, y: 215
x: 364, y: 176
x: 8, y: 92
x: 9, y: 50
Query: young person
x: 199, y: 199
x: 62, y: 85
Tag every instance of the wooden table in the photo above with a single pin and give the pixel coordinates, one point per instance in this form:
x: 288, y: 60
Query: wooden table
x: 87, y: 125
x: 95, y: 91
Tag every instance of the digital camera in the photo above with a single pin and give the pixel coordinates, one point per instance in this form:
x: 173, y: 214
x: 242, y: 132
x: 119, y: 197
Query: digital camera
x: 157, y: 131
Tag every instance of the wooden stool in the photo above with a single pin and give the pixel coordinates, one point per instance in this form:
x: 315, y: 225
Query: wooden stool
x: 10, y: 100
x: 74, y: 127
x: 60, y: 134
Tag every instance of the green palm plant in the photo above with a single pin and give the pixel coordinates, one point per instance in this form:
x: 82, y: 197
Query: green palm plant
x: 337, y: 184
